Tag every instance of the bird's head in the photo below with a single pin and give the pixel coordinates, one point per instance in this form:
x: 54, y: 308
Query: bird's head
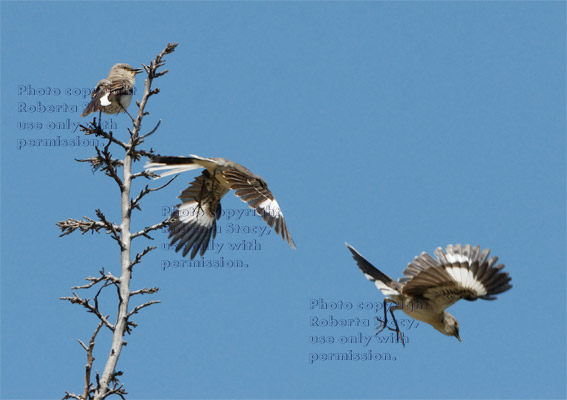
x: 450, y: 326
x: 447, y: 325
x: 125, y: 70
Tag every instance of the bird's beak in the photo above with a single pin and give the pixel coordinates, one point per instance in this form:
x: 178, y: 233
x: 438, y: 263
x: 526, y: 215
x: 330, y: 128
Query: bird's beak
x: 458, y: 337
x: 137, y: 70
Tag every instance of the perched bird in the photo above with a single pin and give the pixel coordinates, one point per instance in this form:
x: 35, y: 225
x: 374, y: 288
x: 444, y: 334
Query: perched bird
x: 431, y: 285
x: 194, y: 221
x: 113, y: 94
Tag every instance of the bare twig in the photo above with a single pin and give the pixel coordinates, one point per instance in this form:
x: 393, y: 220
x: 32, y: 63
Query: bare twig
x: 90, y: 359
x: 94, y: 281
x: 88, y: 225
x: 140, y: 255
x: 138, y: 308
x: 110, y: 227
x: 143, y: 174
x: 71, y: 396
x: 150, y: 132
x: 70, y: 225
x: 144, y: 291
x: 109, y: 165
x: 144, y: 232
x: 90, y: 308
x: 135, y: 204
x: 152, y: 74
x: 95, y: 129
x: 98, y: 162
x: 145, y: 153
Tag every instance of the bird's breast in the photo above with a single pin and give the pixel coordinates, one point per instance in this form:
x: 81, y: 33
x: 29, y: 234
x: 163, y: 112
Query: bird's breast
x: 419, y: 309
x: 125, y: 100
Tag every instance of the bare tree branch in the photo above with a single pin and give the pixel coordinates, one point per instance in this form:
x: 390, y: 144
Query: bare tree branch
x: 135, y: 204
x: 71, y: 396
x: 95, y: 129
x: 144, y: 291
x: 144, y: 232
x: 142, y: 137
x: 118, y: 389
x: 70, y: 225
x: 140, y: 255
x: 152, y: 74
x: 110, y: 164
x: 94, y: 281
x: 84, y: 346
x: 144, y: 174
x: 145, y: 153
x: 90, y: 360
x: 90, y: 308
x: 113, y: 229
x: 138, y: 308
x: 98, y: 162
x: 88, y: 225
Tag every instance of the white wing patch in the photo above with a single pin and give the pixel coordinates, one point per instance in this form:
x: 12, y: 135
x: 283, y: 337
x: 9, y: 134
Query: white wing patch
x: 271, y: 207
x: 190, y: 213
x: 266, y: 203
x: 104, y: 100
x: 466, y: 279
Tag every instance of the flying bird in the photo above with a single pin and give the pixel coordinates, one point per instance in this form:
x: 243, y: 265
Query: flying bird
x: 194, y: 221
x: 431, y: 285
x: 113, y: 94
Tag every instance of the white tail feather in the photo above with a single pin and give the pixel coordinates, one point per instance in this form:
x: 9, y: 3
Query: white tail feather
x: 174, y: 169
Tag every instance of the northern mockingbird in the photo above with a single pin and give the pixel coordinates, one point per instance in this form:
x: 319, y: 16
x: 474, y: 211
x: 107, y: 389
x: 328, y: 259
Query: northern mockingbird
x: 113, y: 94
x: 194, y: 221
x: 431, y: 285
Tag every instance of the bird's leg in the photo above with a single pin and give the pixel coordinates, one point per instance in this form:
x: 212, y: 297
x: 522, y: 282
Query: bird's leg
x: 132, y: 118
x: 392, y: 309
x: 383, y: 323
x: 207, y: 182
x: 99, y: 119
x: 199, y: 209
x: 126, y: 111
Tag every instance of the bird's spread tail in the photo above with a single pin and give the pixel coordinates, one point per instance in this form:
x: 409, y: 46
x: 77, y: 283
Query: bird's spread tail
x: 387, y: 285
x: 91, y: 108
x: 171, y: 165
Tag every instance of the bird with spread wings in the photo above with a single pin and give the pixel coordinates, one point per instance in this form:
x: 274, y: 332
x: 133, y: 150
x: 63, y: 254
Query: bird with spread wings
x: 431, y: 285
x: 194, y: 222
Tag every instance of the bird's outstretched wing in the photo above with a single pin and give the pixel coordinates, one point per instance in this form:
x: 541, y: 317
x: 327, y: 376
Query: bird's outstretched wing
x: 253, y: 190
x: 194, y: 221
x: 459, y: 273
x: 220, y: 176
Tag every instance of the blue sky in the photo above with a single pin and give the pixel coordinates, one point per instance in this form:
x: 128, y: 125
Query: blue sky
x: 395, y: 126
